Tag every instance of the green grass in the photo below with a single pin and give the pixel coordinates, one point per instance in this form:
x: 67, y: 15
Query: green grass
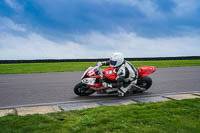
x: 164, y: 117
x: 81, y: 66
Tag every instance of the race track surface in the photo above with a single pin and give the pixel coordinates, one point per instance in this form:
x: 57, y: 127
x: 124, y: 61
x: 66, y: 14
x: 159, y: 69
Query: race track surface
x: 23, y: 89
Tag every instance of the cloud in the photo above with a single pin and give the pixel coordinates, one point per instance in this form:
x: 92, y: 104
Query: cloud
x: 14, y: 5
x: 8, y: 24
x: 148, y: 7
x: 90, y: 45
x: 95, y: 45
x: 135, y: 46
x: 186, y: 7
x: 148, y: 18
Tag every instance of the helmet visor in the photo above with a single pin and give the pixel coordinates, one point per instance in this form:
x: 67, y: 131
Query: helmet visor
x: 113, y: 63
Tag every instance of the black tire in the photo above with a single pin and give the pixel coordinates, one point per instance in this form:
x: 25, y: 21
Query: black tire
x: 145, y: 82
x: 82, y: 90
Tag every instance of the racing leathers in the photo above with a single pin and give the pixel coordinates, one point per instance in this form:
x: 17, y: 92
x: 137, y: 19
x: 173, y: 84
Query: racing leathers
x: 127, y: 74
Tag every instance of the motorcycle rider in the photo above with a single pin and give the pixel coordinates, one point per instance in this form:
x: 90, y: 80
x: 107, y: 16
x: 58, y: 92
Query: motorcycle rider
x: 127, y: 74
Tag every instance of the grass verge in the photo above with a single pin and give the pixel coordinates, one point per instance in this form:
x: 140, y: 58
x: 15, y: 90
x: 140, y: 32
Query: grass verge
x: 81, y: 66
x: 165, y: 117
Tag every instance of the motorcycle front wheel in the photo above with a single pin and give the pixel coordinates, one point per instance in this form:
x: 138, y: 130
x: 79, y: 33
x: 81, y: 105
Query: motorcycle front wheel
x: 82, y: 90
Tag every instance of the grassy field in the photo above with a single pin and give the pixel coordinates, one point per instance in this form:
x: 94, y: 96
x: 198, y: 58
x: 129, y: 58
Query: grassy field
x: 81, y: 66
x: 167, y: 117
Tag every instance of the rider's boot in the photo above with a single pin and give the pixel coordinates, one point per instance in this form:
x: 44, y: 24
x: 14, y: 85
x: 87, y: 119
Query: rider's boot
x: 122, y: 91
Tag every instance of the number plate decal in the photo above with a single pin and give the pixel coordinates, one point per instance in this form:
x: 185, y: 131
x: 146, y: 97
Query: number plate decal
x: 89, y: 81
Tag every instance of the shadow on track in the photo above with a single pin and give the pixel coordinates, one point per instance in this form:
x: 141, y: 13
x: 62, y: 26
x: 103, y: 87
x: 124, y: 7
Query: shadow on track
x: 105, y: 96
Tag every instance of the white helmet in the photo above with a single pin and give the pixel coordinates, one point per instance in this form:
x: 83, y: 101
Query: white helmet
x: 116, y: 59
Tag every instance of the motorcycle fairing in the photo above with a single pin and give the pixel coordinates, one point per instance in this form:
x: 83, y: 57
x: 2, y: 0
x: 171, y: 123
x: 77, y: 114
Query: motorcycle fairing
x: 91, y: 71
x: 144, y: 71
x: 84, y: 74
x: 110, y: 73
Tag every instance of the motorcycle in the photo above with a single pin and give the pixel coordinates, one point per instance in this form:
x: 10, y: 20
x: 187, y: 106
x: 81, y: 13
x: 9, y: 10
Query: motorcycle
x: 93, y: 77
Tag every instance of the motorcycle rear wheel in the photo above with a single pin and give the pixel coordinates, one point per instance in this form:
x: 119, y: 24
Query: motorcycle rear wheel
x: 82, y: 90
x: 145, y: 82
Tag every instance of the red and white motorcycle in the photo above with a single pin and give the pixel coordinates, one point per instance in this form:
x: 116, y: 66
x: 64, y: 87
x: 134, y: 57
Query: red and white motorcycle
x: 93, y: 77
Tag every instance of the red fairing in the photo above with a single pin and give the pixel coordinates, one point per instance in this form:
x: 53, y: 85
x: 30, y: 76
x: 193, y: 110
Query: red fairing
x: 96, y: 85
x: 96, y: 76
x: 110, y: 73
x: 146, y: 70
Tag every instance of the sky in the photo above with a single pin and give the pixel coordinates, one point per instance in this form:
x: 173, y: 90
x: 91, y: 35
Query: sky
x: 66, y: 29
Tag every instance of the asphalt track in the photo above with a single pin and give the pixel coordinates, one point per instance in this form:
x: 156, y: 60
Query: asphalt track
x: 48, y: 88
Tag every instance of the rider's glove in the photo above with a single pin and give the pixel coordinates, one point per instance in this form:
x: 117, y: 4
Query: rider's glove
x: 99, y: 64
x: 106, y: 85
